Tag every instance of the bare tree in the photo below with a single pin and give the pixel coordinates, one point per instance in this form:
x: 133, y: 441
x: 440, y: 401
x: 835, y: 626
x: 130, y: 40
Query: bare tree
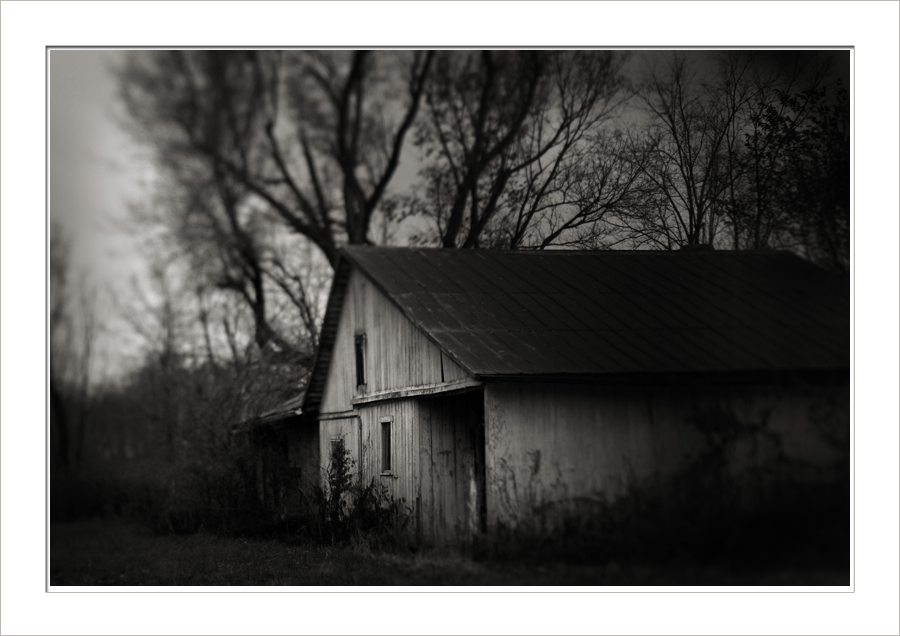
x: 683, y: 150
x: 721, y: 151
x: 251, y: 142
x: 506, y: 136
x: 766, y: 140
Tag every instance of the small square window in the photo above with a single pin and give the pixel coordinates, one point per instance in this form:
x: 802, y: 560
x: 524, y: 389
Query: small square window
x: 360, y: 346
x: 386, y: 446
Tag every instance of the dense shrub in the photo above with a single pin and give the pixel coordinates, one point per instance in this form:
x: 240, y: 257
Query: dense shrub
x: 219, y: 493
x: 345, y: 510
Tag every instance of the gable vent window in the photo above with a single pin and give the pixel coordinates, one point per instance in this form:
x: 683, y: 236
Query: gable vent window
x: 360, y: 360
x: 386, y: 445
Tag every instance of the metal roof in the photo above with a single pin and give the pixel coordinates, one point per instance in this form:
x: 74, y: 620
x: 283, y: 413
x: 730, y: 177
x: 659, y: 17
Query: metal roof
x: 508, y: 313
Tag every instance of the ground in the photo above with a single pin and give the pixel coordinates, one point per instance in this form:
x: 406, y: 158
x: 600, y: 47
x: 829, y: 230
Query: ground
x: 116, y: 551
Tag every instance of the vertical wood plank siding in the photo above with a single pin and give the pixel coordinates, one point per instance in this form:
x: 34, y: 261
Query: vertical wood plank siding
x: 402, y: 482
x: 449, y: 492
x: 552, y: 447
x: 432, y: 458
x: 398, y: 355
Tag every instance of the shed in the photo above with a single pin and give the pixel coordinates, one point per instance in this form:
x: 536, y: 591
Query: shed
x: 485, y: 387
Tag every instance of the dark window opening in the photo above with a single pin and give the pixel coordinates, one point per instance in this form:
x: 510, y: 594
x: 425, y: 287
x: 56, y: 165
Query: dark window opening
x: 360, y: 359
x: 386, y: 447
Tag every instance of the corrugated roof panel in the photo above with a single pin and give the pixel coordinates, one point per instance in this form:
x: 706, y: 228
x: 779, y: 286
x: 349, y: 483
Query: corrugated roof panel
x: 503, y: 357
x: 618, y: 358
x: 655, y: 312
x: 641, y: 272
x: 680, y: 356
x: 636, y: 349
x: 741, y: 355
x: 548, y: 319
x: 505, y: 277
x: 499, y: 306
x: 439, y: 319
x: 475, y: 360
x: 699, y: 350
x: 680, y: 313
x: 577, y: 273
x: 556, y: 349
x: 768, y: 295
x: 485, y: 316
x: 510, y: 265
x: 799, y: 291
x: 564, y: 308
x: 625, y: 311
x: 578, y: 358
x: 698, y: 267
x: 409, y: 303
x: 519, y: 306
x: 665, y: 293
x: 578, y: 316
x: 773, y: 354
x: 720, y: 307
x: 600, y: 268
x: 439, y: 279
x: 534, y: 269
x: 535, y: 353
x: 459, y: 307
x: 469, y: 271
x: 392, y: 277
x: 598, y: 310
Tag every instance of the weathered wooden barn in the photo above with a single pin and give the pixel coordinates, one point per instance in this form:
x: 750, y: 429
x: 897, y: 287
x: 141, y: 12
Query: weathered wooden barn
x: 484, y: 386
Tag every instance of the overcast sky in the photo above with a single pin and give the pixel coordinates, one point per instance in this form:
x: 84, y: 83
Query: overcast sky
x: 94, y: 167
x: 95, y: 170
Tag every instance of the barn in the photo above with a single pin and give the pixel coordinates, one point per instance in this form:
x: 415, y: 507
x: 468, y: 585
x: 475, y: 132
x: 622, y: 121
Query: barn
x: 487, y: 387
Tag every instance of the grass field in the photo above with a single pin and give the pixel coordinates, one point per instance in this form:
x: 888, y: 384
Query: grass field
x: 115, y: 551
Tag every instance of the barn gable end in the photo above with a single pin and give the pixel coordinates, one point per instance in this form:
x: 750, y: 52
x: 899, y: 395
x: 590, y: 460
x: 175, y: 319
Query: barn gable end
x: 398, y: 356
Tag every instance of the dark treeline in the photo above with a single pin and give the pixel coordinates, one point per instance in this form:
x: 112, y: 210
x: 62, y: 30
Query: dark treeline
x: 268, y: 161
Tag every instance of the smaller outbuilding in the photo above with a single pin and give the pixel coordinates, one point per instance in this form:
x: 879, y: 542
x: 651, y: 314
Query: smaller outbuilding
x: 487, y: 387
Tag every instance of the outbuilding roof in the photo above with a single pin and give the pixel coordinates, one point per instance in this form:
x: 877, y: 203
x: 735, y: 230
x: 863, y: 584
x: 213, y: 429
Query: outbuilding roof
x: 512, y: 313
